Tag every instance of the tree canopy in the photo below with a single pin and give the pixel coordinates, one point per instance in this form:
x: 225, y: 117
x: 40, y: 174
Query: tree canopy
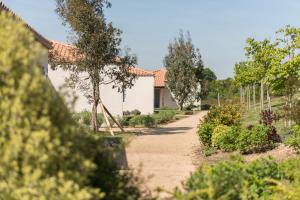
x: 181, y: 62
x: 98, y: 57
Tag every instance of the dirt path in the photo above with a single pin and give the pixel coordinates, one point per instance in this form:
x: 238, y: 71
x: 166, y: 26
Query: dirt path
x: 166, y: 154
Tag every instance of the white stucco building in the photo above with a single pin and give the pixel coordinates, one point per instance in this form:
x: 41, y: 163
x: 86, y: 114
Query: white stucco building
x: 140, y: 96
x: 162, y: 95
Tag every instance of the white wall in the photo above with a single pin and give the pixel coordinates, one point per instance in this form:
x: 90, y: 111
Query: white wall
x: 168, y: 101
x: 112, y: 99
x: 141, y: 96
x: 57, y: 78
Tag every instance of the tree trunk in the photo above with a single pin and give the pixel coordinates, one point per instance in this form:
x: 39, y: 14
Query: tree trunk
x: 290, y: 111
x: 96, y: 98
x: 181, y: 106
x: 261, y: 95
x: 249, y: 97
x: 269, y: 99
x: 241, y: 95
x: 254, y: 97
x: 219, y: 103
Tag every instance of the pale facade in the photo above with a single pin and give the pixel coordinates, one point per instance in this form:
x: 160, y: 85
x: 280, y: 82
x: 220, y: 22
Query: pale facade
x: 139, y: 97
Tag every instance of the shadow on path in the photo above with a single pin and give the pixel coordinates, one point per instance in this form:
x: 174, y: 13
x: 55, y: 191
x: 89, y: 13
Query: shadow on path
x: 165, y: 130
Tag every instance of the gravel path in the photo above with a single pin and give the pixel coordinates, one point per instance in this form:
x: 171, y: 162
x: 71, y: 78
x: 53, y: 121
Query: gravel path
x: 165, y: 155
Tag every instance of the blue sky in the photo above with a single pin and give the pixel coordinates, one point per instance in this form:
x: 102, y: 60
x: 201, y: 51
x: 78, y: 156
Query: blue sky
x: 218, y: 28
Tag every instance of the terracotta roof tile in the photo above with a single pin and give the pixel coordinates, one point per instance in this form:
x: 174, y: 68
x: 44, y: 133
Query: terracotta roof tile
x: 62, y: 51
x: 67, y: 52
x: 38, y: 37
x: 160, y: 78
x: 140, y: 72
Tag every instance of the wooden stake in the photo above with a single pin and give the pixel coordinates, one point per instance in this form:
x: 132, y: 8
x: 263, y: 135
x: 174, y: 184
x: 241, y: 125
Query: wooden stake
x: 112, y: 117
x: 106, y: 119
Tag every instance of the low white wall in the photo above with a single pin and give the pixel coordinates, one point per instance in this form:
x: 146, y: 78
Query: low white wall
x: 140, y: 96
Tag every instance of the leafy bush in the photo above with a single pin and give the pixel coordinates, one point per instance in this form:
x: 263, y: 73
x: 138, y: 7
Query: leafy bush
x: 227, y: 115
x: 124, y: 121
x: 222, y: 181
x: 236, y: 180
x: 205, y: 106
x: 218, y: 132
x: 294, y: 140
x: 205, y: 132
x: 85, y: 118
x: 164, y: 116
x: 44, y: 154
x: 142, y: 120
x: 135, y: 112
x: 225, y: 138
x: 267, y: 119
x: 255, y: 140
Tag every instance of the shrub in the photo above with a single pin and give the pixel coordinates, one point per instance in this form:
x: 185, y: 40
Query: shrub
x: 85, y: 118
x: 255, y: 140
x: 205, y: 132
x: 267, y: 119
x: 124, y: 121
x: 236, y: 180
x: 142, y: 120
x: 258, y: 174
x: 164, y: 116
x: 226, y: 137
x: 205, y: 106
x: 126, y: 112
x: 218, y: 132
x: 44, y: 154
x: 135, y: 112
x: 227, y: 115
x: 294, y: 140
x: 222, y: 181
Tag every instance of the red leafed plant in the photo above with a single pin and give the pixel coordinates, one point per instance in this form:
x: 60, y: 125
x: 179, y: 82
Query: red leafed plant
x: 267, y: 119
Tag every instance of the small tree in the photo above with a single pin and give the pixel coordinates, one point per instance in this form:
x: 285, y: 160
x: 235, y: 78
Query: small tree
x: 181, y: 63
x: 284, y: 74
x: 208, y: 78
x: 261, y: 53
x: 97, y: 57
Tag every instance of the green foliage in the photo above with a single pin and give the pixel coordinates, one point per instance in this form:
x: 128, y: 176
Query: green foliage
x: 226, y: 115
x: 226, y: 88
x: 44, y: 154
x: 85, y: 118
x: 254, y: 140
x: 218, y: 133
x: 205, y: 133
x: 97, y: 45
x: 225, y: 138
x: 222, y: 181
x: 38, y: 154
x: 294, y: 140
x: 237, y: 180
x: 181, y: 63
x: 142, y: 120
x: 164, y: 116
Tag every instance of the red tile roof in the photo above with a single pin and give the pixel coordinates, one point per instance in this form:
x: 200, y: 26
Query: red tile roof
x: 38, y: 37
x: 67, y: 52
x: 140, y: 72
x: 160, y: 78
x: 62, y: 51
